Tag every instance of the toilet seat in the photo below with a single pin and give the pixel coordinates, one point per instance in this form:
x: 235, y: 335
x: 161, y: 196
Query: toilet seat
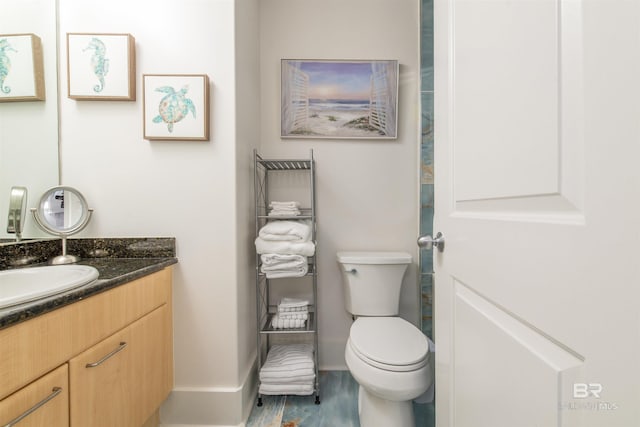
x: 389, y: 343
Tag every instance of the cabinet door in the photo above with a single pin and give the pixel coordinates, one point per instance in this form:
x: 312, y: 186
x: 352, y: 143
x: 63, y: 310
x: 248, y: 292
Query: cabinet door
x: 122, y: 380
x: 44, y: 402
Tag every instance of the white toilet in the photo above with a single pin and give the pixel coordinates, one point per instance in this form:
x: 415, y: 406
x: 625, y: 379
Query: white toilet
x: 387, y: 356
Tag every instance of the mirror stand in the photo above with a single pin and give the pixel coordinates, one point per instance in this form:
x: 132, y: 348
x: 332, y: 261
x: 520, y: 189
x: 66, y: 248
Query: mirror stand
x: 62, y: 211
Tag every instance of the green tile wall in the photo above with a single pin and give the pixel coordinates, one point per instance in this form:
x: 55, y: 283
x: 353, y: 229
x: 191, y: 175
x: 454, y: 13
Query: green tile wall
x: 426, y: 162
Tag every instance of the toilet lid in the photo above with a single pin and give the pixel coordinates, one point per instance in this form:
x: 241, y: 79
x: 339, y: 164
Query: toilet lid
x: 389, y: 343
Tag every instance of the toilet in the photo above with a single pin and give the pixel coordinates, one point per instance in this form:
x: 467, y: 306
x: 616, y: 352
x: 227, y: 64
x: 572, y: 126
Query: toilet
x: 386, y: 355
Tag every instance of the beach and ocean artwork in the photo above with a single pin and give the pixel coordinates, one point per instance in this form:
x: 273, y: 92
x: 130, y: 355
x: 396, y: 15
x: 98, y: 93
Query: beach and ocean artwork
x: 339, y: 99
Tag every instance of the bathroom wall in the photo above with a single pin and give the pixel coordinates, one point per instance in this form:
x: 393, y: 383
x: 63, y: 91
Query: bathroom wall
x: 367, y: 190
x: 199, y: 192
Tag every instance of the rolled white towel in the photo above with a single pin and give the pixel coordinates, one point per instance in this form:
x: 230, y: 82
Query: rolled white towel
x: 302, y: 315
x: 278, y: 323
x: 284, y: 247
x: 294, y: 231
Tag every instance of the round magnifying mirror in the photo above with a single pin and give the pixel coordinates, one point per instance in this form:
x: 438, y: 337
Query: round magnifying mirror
x: 62, y: 211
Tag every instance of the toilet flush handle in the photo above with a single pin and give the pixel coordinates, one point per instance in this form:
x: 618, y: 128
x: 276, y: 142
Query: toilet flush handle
x: 350, y: 270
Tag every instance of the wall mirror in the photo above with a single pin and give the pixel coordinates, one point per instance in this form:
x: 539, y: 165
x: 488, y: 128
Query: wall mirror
x: 29, y: 130
x: 62, y: 211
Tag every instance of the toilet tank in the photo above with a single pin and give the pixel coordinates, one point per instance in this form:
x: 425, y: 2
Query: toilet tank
x: 372, y: 281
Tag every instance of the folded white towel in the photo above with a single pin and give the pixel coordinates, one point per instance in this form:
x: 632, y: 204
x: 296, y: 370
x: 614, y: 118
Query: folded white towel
x: 282, y: 260
x: 294, y: 231
x: 278, y: 204
x: 301, y: 377
x: 285, y: 357
x: 283, y: 247
x: 280, y: 274
x: 284, y: 214
x: 297, y: 389
x: 292, y: 309
x: 278, y: 323
x: 287, y: 302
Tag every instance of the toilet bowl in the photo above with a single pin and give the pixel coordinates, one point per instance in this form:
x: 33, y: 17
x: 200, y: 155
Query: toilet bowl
x: 389, y: 358
x: 386, y: 355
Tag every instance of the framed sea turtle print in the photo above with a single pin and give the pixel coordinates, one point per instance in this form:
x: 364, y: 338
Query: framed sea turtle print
x: 176, y: 107
x: 21, y: 68
x: 101, y: 67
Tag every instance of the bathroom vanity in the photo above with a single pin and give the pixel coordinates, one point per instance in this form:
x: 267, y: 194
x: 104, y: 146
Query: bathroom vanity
x: 99, y: 355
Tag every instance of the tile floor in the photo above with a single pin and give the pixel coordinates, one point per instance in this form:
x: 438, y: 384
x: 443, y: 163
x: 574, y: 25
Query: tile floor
x: 339, y: 407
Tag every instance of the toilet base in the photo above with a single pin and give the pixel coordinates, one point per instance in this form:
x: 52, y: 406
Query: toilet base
x: 377, y: 412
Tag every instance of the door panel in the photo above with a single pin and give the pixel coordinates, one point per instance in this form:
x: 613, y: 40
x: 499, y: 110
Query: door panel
x: 536, y: 192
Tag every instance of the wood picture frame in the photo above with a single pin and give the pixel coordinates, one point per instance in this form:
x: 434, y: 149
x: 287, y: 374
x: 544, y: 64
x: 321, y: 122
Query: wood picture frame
x: 176, y: 107
x: 21, y: 68
x: 101, y: 67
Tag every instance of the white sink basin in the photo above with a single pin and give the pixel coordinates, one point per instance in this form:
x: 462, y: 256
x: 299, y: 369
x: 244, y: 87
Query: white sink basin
x: 28, y: 284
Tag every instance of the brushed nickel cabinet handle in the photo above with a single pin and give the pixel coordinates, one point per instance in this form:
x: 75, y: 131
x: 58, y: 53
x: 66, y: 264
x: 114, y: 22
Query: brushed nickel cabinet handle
x: 104, y: 359
x: 54, y: 392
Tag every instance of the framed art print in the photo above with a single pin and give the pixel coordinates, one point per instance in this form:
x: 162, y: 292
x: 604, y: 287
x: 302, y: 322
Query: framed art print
x: 21, y: 68
x: 176, y: 107
x: 339, y: 99
x: 101, y: 67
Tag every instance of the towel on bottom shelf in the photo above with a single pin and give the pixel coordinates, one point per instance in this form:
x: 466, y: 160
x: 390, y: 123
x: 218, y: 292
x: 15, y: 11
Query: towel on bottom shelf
x: 297, y: 389
x: 289, y: 369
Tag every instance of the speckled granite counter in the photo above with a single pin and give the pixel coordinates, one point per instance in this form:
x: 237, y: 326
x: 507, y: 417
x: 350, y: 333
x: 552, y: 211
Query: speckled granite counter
x: 117, y: 260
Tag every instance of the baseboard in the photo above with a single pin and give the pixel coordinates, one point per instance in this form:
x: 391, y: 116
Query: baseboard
x: 210, y: 406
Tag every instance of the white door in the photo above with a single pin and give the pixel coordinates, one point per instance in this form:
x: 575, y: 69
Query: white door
x: 537, y: 167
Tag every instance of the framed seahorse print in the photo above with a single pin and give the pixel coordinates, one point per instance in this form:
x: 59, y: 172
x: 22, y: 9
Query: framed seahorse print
x: 101, y: 67
x: 21, y: 68
x: 176, y: 107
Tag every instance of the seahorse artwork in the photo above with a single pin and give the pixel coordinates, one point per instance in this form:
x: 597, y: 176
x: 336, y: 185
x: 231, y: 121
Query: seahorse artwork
x: 99, y: 62
x: 5, y: 64
x: 174, y: 106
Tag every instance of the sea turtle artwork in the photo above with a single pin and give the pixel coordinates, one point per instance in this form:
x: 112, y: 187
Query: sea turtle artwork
x: 174, y: 106
x: 99, y: 63
x: 5, y: 64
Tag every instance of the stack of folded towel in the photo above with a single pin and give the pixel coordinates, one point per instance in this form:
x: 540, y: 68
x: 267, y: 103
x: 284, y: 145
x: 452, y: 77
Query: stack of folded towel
x: 286, y: 238
x: 284, y: 209
x: 289, y: 369
x: 275, y: 265
x: 292, y: 313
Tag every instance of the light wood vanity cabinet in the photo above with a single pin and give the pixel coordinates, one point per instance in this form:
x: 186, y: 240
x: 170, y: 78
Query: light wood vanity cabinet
x: 48, y: 397
x: 119, y: 349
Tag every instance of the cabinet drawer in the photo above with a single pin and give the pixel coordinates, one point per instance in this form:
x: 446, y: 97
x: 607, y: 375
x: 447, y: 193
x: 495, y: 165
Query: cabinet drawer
x: 45, y: 402
x: 122, y: 380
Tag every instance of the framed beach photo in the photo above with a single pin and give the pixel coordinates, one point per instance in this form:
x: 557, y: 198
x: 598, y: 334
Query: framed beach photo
x: 339, y: 99
x: 21, y: 68
x: 101, y: 67
x: 176, y: 107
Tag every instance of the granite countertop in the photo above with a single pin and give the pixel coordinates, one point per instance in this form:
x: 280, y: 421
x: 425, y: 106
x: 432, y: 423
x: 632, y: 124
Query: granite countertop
x: 118, y: 261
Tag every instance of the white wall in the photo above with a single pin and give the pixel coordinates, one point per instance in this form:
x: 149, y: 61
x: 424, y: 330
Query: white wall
x: 367, y: 191
x: 190, y: 190
x: 201, y: 192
